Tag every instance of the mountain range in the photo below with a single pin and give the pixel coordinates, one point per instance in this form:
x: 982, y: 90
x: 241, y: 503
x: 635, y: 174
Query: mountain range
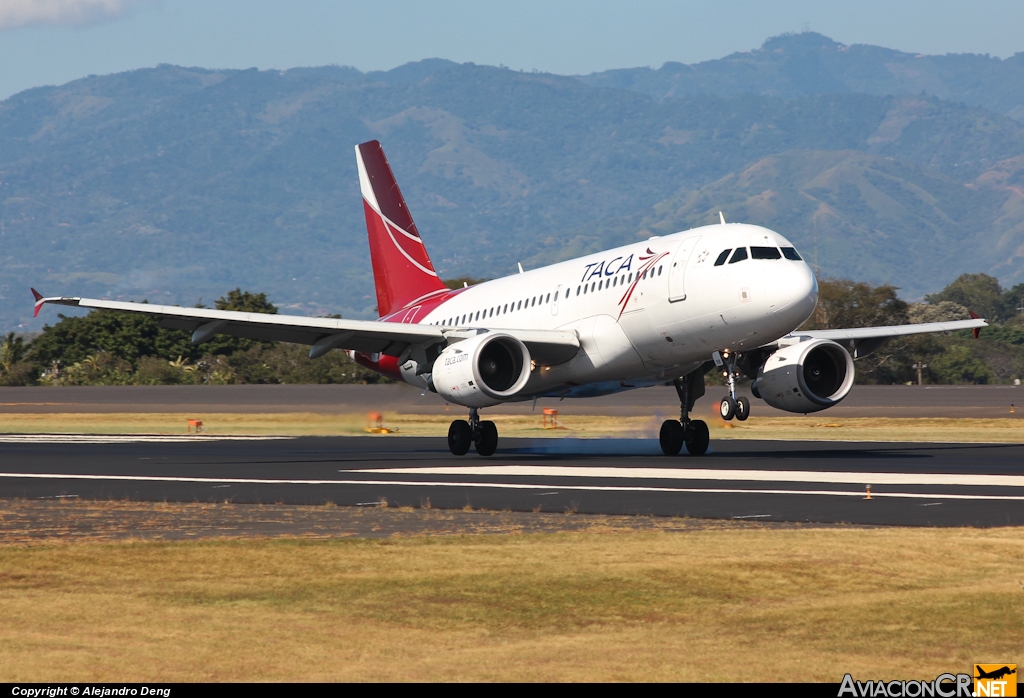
x: 175, y: 184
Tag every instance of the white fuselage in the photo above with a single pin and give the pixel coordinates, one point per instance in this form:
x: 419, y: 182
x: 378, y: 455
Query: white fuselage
x: 650, y: 311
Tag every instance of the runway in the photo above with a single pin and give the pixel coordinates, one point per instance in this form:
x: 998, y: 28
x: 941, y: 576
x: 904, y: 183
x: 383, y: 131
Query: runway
x: 814, y: 482
x: 977, y: 401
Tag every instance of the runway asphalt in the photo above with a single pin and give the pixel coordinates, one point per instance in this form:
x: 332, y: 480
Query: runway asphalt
x: 911, y: 484
x: 978, y: 401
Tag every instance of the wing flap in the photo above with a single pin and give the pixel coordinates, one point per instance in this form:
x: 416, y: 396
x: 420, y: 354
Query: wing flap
x: 366, y: 335
x: 547, y: 347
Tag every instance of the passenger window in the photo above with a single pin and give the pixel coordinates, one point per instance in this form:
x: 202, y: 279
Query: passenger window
x: 722, y: 257
x: 791, y: 253
x: 630, y: 279
x: 600, y: 284
x: 567, y: 292
x: 765, y: 253
x: 659, y: 271
x: 548, y: 298
x: 593, y: 285
x: 739, y: 255
x: 533, y: 301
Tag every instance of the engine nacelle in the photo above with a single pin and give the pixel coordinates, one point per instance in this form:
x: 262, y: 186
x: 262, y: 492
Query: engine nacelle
x: 481, y: 371
x: 806, y: 377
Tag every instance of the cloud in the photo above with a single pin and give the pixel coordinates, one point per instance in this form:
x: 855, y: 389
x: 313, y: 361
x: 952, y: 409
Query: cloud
x: 23, y: 13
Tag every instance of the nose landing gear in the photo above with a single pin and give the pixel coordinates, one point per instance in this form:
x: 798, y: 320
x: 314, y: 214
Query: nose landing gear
x: 482, y: 434
x: 691, y: 432
x: 732, y: 406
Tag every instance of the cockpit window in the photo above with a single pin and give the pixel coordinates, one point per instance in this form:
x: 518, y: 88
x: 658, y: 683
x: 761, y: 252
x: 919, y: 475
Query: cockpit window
x: 765, y: 253
x: 739, y: 255
x: 791, y: 253
x: 722, y: 257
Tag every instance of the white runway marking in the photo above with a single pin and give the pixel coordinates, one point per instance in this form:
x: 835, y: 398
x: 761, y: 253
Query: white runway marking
x: 504, y: 485
x: 127, y: 438
x: 846, y: 478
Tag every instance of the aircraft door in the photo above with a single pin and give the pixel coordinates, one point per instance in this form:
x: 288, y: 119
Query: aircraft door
x: 554, y: 303
x: 677, y: 270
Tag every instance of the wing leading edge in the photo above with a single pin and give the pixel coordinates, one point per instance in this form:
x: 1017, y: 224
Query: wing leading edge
x: 321, y: 334
x: 863, y: 340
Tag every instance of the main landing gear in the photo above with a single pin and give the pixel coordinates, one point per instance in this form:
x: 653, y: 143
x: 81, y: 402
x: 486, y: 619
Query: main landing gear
x: 692, y: 432
x: 483, y: 434
x: 732, y: 406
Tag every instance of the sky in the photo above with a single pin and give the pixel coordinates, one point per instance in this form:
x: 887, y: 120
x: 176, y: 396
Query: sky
x: 47, y: 42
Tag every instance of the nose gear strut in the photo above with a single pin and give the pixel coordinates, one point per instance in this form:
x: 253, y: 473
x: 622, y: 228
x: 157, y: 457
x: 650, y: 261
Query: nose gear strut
x: 732, y: 406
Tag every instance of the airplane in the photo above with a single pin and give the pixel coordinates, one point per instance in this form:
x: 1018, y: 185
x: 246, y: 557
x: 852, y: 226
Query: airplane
x: 668, y: 309
x: 995, y: 674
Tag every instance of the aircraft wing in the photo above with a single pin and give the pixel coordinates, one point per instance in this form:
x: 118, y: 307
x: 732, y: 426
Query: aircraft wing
x: 863, y: 340
x: 323, y: 334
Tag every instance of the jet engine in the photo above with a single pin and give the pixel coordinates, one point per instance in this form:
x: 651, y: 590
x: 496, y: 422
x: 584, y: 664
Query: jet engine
x: 484, y: 370
x: 805, y: 377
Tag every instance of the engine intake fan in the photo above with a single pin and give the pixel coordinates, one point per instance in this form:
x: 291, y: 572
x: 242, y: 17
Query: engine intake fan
x: 806, y: 377
x: 481, y: 371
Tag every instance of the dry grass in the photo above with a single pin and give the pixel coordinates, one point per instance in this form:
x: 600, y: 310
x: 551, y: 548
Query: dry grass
x: 818, y: 428
x: 749, y: 604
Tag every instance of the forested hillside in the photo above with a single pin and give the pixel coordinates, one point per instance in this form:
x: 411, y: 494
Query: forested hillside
x: 171, y: 184
x: 809, y: 63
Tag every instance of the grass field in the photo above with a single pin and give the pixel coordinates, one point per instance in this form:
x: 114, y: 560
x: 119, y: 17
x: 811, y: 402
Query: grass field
x: 1009, y: 430
x: 727, y: 604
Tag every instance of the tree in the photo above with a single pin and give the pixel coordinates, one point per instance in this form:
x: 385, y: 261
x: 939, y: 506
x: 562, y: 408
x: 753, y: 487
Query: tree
x: 14, y: 370
x: 978, y: 292
x: 460, y: 281
x: 246, y: 302
x: 74, y: 339
x: 843, y: 303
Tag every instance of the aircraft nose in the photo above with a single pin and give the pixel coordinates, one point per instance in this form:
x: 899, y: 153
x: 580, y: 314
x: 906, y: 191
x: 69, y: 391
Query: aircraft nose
x: 795, y: 293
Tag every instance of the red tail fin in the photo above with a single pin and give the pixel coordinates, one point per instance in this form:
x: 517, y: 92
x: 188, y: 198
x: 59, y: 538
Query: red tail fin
x: 402, y: 271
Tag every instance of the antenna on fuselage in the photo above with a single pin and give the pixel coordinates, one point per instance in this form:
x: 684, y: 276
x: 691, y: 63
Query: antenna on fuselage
x: 520, y: 265
x: 721, y: 217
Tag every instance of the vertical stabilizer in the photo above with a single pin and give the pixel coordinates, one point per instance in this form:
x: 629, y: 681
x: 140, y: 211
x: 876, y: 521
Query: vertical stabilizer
x: 402, y: 271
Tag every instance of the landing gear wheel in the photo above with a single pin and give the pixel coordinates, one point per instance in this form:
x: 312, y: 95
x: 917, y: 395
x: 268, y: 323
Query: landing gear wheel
x: 697, y: 438
x: 460, y: 436
x: 672, y: 436
x: 487, y: 444
x: 742, y: 408
x: 727, y: 408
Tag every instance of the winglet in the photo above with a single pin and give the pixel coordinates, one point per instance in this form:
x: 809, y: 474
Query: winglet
x: 975, y: 316
x: 39, y: 302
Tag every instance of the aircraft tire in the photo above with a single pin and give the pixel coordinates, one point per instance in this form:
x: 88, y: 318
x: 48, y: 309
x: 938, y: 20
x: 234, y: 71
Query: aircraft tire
x: 671, y: 438
x: 487, y: 444
x: 698, y: 439
x: 742, y: 408
x: 460, y: 436
x: 727, y: 408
